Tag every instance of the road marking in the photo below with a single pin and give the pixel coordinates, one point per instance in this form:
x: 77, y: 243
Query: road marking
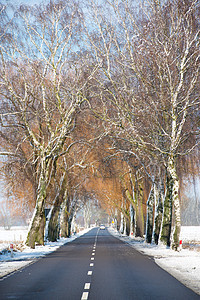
x: 87, y: 286
x: 84, y: 296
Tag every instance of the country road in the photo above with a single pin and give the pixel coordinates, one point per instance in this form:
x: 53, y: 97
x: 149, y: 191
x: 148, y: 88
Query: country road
x: 95, y: 266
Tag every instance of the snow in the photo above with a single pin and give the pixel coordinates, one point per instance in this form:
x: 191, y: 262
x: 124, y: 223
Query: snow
x: 16, y: 233
x: 190, y: 234
x: 183, y: 265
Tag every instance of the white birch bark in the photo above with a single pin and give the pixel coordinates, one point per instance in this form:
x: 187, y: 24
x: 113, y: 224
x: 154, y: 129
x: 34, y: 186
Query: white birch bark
x: 175, y: 238
x: 121, y: 229
x: 159, y: 202
x: 149, y: 220
x: 132, y: 221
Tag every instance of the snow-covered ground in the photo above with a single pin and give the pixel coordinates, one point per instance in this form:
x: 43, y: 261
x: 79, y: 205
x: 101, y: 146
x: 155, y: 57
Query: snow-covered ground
x: 14, y: 235
x: 183, y: 265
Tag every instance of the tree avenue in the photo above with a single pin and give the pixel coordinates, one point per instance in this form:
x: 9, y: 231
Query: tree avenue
x: 101, y: 101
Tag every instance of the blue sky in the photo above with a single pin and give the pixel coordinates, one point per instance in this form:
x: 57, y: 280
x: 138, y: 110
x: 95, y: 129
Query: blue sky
x: 17, y: 2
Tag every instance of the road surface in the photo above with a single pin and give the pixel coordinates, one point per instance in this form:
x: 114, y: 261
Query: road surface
x: 96, y: 266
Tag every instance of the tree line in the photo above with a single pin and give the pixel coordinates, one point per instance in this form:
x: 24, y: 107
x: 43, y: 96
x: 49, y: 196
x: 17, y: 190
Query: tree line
x: 101, y: 99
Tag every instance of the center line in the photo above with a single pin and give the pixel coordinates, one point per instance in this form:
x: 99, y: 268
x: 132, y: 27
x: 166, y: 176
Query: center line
x: 91, y: 265
x: 87, y: 286
x: 84, y: 296
x: 89, y: 273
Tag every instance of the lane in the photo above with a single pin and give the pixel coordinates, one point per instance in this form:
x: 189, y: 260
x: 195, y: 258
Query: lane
x: 123, y: 273
x: 59, y: 275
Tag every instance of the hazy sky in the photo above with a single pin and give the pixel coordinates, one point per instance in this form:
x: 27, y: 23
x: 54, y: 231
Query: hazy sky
x: 27, y: 1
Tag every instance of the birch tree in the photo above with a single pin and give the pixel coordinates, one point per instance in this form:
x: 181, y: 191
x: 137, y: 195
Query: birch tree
x: 169, y: 74
x: 150, y: 72
x: 39, y: 85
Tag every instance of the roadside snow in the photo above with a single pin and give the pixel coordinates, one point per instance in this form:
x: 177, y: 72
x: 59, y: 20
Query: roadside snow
x: 190, y: 234
x: 183, y: 265
x: 20, y: 259
x: 16, y: 233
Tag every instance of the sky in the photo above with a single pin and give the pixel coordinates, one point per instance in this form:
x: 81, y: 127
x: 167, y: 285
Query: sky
x: 26, y: 1
x: 18, y: 2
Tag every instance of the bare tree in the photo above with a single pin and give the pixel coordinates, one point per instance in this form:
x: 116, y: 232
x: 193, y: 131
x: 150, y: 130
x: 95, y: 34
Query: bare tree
x: 40, y: 93
x: 149, y: 68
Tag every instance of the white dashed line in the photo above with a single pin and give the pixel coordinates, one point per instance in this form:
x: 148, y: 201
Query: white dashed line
x: 87, y: 286
x: 84, y: 296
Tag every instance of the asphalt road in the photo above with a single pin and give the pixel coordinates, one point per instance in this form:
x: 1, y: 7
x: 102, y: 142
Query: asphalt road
x: 96, y: 266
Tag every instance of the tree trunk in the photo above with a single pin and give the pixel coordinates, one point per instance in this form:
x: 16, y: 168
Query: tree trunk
x: 64, y: 220
x: 149, y: 221
x: 124, y: 221
x: 70, y: 223
x: 121, y: 230
x: 53, y: 229
x: 132, y: 221
x: 127, y: 220
x: 118, y: 217
x: 36, y: 231
x: 136, y: 201
x: 131, y: 199
x: 55, y: 220
x: 139, y: 211
x: 167, y: 213
x: 126, y: 229
x: 159, y: 200
x: 176, y: 205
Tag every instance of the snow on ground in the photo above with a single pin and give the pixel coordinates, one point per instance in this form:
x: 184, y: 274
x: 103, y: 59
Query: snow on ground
x: 20, y: 259
x: 190, y: 234
x: 13, y: 235
x: 183, y: 265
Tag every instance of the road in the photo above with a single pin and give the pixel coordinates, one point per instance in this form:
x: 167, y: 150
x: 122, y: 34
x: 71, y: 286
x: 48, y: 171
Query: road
x: 96, y: 266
